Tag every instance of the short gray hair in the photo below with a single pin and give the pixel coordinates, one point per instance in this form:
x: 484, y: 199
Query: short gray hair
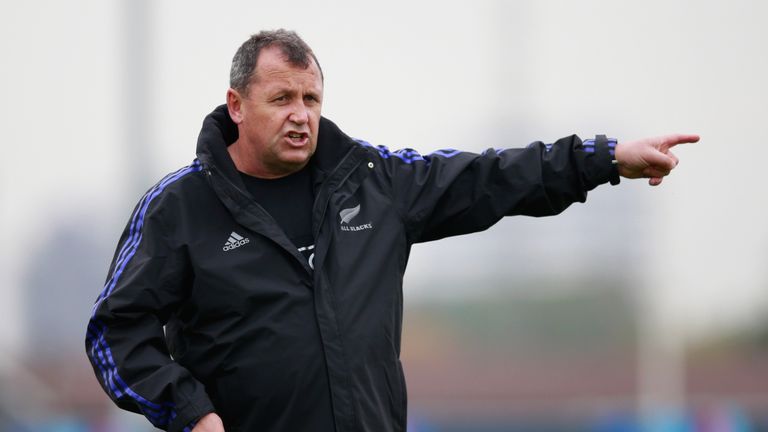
x: 297, y: 52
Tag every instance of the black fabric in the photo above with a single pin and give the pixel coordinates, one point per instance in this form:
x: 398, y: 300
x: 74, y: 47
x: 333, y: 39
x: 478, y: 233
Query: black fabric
x: 252, y: 331
x: 289, y: 201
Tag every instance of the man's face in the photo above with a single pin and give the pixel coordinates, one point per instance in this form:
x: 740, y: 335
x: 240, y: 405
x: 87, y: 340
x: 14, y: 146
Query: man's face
x: 278, y: 119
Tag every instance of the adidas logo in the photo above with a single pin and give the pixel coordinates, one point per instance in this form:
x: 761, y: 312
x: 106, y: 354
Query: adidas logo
x: 234, y: 241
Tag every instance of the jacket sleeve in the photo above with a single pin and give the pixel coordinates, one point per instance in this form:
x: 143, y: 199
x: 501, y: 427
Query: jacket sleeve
x: 125, y: 340
x: 451, y: 192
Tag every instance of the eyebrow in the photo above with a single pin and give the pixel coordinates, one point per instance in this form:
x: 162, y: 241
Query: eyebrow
x: 280, y: 89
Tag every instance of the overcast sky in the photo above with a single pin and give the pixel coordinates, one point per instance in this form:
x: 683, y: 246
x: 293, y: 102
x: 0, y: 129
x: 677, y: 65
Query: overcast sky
x: 102, y: 98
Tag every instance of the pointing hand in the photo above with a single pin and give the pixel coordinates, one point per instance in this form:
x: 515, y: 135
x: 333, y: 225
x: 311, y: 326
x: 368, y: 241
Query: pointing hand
x: 650, y: 157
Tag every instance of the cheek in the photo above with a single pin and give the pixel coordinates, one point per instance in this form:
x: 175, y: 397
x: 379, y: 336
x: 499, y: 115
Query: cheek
x: 315, y: 121
x: 271, y: 128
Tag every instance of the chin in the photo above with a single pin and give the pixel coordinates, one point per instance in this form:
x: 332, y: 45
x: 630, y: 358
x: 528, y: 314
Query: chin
x: 298, y: 158
x: 294, y: 164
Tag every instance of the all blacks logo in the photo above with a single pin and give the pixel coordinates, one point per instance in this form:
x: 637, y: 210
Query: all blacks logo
x: 346, y: 216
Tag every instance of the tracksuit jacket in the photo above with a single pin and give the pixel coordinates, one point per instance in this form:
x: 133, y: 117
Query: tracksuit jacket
x: 208, y: 306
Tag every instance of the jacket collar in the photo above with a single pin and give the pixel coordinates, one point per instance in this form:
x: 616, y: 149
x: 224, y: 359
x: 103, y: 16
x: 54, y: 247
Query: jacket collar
x: 219, y: 131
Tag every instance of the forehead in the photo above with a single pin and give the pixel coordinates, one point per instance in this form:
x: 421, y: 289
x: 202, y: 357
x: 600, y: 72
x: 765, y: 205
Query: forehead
x: 273, y: 68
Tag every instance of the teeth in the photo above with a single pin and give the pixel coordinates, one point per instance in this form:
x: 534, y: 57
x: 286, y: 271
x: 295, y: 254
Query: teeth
x: 294, y: 135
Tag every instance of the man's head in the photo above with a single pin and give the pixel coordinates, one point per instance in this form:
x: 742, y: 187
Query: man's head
x: 275, y: 98
x: 295, y: 50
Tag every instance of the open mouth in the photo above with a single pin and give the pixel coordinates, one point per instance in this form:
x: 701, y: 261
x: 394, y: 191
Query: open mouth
x: 297, y: 138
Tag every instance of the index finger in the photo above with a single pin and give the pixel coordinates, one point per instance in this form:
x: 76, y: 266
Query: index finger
x: 675, y: 139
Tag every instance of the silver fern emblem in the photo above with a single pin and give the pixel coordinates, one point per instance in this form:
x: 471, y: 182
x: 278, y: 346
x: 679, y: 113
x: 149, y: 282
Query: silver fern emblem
x: 347, y: 215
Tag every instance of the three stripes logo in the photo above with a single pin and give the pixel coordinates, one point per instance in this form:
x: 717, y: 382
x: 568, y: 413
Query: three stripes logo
x: 234, y: 241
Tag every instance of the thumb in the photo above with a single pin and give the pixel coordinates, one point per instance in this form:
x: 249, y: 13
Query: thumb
x: 659, y: 160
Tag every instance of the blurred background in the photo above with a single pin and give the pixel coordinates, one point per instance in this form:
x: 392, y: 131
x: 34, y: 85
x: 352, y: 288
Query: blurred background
x: 645, y: 309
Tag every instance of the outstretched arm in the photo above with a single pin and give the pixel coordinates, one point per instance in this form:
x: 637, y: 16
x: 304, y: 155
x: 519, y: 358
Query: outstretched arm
x: 450, y: 192
x: 650, y: 157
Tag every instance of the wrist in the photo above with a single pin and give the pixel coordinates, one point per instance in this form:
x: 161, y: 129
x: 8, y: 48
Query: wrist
x: 612, y: 145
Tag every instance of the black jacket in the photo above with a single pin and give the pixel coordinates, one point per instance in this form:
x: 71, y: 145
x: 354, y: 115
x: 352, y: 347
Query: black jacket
x: 209, y: 306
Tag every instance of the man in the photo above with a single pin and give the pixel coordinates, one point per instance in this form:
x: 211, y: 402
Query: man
x: 259, y: 288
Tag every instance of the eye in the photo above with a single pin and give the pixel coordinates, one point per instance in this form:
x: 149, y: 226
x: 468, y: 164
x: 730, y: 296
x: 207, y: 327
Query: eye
x: 281, y: 99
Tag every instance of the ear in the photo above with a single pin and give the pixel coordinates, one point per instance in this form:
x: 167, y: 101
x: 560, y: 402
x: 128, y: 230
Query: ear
x: 235, y: 105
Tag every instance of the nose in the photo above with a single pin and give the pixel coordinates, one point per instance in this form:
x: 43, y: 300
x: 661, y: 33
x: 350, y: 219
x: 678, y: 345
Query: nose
x: 299, y: 114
